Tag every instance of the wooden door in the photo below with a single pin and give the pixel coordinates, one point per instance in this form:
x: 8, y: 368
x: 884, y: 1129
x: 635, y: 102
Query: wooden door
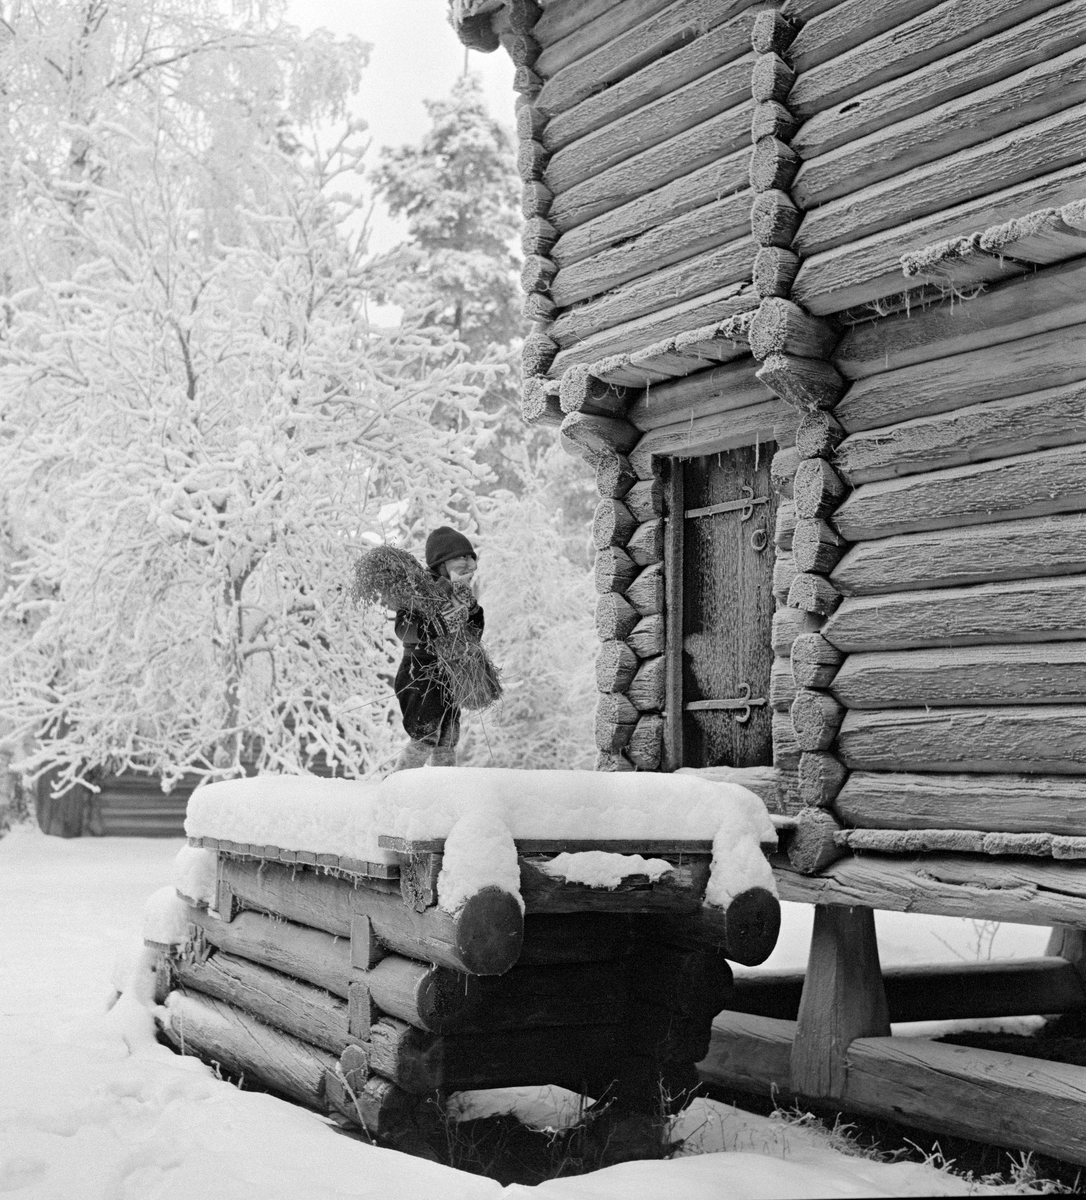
x: 729, y: 511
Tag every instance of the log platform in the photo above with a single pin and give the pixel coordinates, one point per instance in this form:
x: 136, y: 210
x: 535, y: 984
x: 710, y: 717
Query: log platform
x: 343, y: 985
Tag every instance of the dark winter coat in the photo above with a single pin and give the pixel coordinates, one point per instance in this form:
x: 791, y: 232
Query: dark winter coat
x: 429, y: 714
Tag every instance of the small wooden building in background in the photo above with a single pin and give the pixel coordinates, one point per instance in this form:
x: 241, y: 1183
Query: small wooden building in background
x: 806, y: 284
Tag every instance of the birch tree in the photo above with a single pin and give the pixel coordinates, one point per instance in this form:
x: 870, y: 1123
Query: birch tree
x: 198, y: 421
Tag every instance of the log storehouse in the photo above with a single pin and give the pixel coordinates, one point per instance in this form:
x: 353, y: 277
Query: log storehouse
x: 806, y: 289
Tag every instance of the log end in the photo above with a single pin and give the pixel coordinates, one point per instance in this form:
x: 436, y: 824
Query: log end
x: 749, y: 926
x: 490, y: 932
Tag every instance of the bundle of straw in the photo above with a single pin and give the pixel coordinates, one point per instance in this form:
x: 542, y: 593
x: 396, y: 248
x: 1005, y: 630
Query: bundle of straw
x: 399, y: 581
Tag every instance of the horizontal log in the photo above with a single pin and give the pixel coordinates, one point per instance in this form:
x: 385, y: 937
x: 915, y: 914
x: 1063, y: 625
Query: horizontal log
x: 818, y: 434
x: 774, y: 218
x: 691, y: 233
x: 537, y: 236
x: 785, y: 525
x: 1034, y: 673
x: 816, y: 718
x: 1024, y: 891
x: 773, y: 33
x: 936, y: 991
x: 580, y: 391
x: 484, y: 937
x: 646, y: 499
x: 614, y: 570
x: 1051, y: 804
x: 817, y: 491
x: 988, y: 54
x: 869, y: 269
x: 722, y: 177
x: 784, y: 573
x: 771, y: 78
x: 646, y: 743
x: 788, y: 624
x: 782, y: 470
x: 1040, y: 546
x: 615, y: 617
x: 720, y: 90
x: 217, y: 1032
x: 616, y: 708
x: 707, y: 435
x: 775, y: 271
x: 806, y: 383
x: 716, y: 138
x: 686, y: 44
x: 679, y: 890
x: 1020, y: 308
x: 561, y: 17
x: 812, y: 593
x: 1031, y: 611
x: 814, y: 660
x: 745, y: 932
x: 647, y: 637
x: 720, y: 305
x: 705, y: 393
x: 1028, y: 151
x: 539, y: 404
x: 781, y: 327
x: 610, y: 737
x: 1017, y: 368
x: 995, y: 429
x: 537, y: 354
x: 786, y: 751
x: 613, y: 762
x: 782, y: 687
x: 614, y: 476
x: 944, y: 130
x: 535, y: 199
x: 1042, y: 739
x: 821, y: 777
x: 833, y: 33
x: 691, y: 983
x: 971, y: 841
x: 612, y: 524
x: 616, y: 665
x: 709, y: 270
x: 584, y: 38
x: 816, y: 546
x: 812, y: 844
x: 646, y: 689
x: 1024, y: 485
x: 599, y: 435
x: 771, y: 119
x: 646, y: 593
x: 306, y: 1012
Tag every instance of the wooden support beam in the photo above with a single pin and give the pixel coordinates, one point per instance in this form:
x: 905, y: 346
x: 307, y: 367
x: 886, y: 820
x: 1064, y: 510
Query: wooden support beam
x: 1043, y: 739
x: 707, y: 435
x: 718, y: 223
x: 687, y: 43
x: 1054, y: 804
x: 1033, y: 673
x: 244, y: 1046
x: 995, y: 429
x: 861, y: 272
x: 821, y: 777
x: 843, y: 999
x: 704, y: 393
x: 1026, y: 891
x: 989, y: 53
x: 1024, y: 485
x: 936, y: 991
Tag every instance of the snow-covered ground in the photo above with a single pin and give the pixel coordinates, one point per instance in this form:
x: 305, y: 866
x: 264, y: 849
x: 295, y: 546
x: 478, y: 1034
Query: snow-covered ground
x: 92, y: 1108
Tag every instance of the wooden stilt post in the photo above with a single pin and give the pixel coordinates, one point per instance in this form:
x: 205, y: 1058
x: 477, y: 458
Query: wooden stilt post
x: 843, y: 999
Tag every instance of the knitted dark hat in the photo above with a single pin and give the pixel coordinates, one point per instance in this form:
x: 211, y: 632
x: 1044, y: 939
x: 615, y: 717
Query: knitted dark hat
x: 445, y: 543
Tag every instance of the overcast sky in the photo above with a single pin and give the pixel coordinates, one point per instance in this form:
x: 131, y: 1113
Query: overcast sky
x: 416, y: 57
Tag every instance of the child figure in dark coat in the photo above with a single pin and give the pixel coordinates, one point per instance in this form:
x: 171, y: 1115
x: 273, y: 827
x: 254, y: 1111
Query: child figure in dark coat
x: 430, y: 716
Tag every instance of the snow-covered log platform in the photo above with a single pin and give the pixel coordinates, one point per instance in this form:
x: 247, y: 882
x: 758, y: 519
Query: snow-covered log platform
x: 359, y: 946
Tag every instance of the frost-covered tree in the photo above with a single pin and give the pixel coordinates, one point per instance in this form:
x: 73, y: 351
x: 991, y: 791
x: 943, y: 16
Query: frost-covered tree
x: 197, y: 421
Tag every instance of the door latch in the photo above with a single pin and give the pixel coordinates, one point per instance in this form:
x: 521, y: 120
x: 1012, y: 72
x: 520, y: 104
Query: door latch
x: 744, y: 506
x: 741, y: 705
